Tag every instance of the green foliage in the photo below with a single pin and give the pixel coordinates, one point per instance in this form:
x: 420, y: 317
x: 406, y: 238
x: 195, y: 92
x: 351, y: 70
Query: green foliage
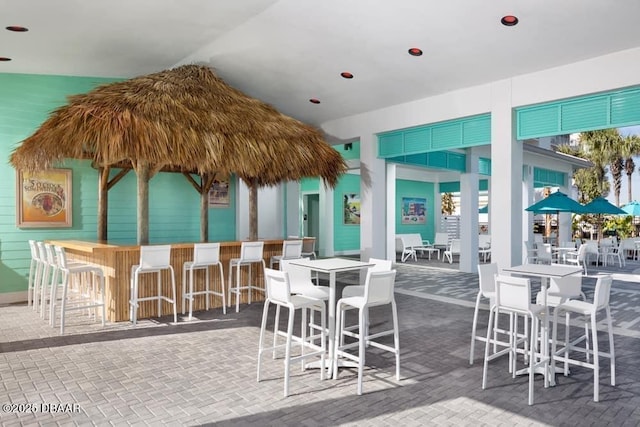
x: 622, y: 225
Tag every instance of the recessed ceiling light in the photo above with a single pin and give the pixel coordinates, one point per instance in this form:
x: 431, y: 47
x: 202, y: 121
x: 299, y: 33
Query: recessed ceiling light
x: 346, y: 75
x: 17, y: 28
x: 414, y: 51
x: 509, y: 20
x: 4, y: 59
x: 314, y: 101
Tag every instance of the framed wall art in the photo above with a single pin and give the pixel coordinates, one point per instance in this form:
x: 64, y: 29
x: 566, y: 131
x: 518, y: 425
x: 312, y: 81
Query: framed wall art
x: 351, y: 208
x: 44, y: 198
x: 413, y: 210
x: 219, y: 196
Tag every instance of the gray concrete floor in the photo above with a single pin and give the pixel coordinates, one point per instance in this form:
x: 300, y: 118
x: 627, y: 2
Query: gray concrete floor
x: 204, y: 371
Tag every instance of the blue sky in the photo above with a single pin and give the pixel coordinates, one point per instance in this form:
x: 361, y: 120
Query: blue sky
x: 635, y: 180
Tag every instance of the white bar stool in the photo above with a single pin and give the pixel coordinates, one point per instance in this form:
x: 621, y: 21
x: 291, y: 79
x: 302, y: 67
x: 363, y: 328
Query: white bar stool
x: 291, y: 249
x: 378, y: 291
x: 250, y: 253
x: 153, y: 259
x: 279, y: 293
x: 590, y: 312
x: 85, y: 298
x: 205, y: 255
x: 35, y: 275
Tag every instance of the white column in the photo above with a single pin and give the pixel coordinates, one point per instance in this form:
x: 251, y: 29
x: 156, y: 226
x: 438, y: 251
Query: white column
x: 293, y: 208
x: 528, y: 198
x: 372, y: 199
x: 325, y: 200
x: 437, y: 208
x: 506, y: 172
x: 391, y: 211
x: 564, y: 222
x: 469, y: 224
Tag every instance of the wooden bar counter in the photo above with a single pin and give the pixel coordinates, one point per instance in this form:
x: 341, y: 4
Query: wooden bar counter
x: 116, y: 261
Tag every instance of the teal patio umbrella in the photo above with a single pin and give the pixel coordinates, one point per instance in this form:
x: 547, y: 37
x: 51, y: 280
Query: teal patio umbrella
x: 554, y: 204
x: 632, y: 208
x: 600, y: 205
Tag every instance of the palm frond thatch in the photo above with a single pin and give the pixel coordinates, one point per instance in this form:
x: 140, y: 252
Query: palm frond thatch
x: 186, y: 118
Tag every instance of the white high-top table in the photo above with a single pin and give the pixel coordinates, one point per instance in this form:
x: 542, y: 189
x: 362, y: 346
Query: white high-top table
x: 545, y: 272
x: 331, y: 266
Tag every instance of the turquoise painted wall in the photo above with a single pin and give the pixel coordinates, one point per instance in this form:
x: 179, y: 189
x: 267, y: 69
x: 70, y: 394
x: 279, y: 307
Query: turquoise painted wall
x: 406, y: 188
x: 345, y: 237
x: 25, y: 102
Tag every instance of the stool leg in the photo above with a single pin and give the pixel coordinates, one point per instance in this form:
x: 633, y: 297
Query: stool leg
x: 173, y: 290
x: 191, y: 297
x: 237, y: 288
x: 473, y: 329
x: 224, y: 299
x: 612, y: 353
x: 263, y: 328
x: 206, y: 281
x: 596, y: 359
x: 184, y: 288
x: 288, y: 351
x: 361, y: 347
x: 159, y: 286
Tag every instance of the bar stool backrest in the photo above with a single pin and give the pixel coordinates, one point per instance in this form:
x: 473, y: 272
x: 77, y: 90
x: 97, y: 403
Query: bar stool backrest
x: 291, y: 249
x: 380, y: 264
x: 602, y: 292
x: 379, y: 285
x: 308, y: 245
x: 206, y: 253
x: 61, y: 257
x: 487, y: 277
x: 155, y: 257
x: 296, y: 273
x: 34, y: 250
x: 513, y: 293
x: 50, y: 254
x: 251, y: 251
x: 42, y: 252
x: 569, y: 285
x: 278, y: 287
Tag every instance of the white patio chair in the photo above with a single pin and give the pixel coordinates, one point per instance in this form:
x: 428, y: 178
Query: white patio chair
x: 405, y: 250
x: 454, y: 249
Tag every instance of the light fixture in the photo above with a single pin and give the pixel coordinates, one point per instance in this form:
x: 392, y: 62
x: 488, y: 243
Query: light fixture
x: 414, y: 51
x: 314, y: 101
x: 4, y: 59
x: 509, y: 20
x: 17, y: 28
x: 346, y: 75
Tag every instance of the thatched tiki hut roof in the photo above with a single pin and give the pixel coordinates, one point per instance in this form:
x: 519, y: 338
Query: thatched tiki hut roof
x: 185, y: 119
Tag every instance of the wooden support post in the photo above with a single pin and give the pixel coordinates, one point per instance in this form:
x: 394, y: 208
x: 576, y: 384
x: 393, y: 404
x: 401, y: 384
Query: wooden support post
x: 142, y: 172
x: 253, y: 211
x: 103, y: 201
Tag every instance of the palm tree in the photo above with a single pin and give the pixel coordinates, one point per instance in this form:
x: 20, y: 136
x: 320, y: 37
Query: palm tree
x: 602, y: 148
x: 630, y: 148
x: 447, y: 205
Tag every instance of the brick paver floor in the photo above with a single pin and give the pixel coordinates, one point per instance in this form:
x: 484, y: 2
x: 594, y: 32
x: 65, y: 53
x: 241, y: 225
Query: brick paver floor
x: 204, y: 371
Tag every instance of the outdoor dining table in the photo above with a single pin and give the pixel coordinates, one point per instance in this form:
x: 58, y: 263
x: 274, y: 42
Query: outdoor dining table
x: 331, y: 266
x: 545, y: 273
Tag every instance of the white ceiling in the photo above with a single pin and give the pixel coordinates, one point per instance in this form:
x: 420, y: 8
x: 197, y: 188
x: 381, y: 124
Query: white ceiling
x: 288, y: 51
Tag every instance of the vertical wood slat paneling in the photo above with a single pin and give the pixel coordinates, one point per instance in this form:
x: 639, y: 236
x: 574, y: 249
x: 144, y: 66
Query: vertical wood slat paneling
x: 116, y: 263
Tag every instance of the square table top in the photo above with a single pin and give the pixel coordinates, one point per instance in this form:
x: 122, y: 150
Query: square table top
x: 328, y: 265
x: 544, y: 270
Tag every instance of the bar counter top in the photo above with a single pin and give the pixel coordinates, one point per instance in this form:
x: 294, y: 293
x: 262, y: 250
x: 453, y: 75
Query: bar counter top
x: 116, y: 260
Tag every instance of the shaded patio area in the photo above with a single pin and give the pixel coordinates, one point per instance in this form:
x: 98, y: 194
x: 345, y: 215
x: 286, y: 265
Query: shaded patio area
x: 203, y: 371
